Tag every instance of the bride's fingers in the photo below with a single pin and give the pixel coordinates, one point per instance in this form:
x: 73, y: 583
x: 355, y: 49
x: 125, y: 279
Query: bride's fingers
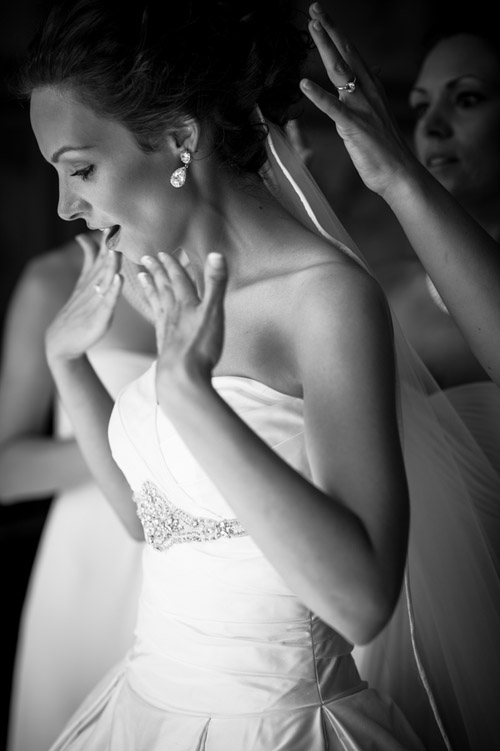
x: 182, y: 284
x: 156, y: 286
x: 215, y: 277
x: 150, y: 292
x: 158, y: 274
x: 104, y: 274
x: 89, y: 249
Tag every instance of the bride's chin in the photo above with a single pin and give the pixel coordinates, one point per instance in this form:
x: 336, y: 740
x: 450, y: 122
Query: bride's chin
x: 130, y: 250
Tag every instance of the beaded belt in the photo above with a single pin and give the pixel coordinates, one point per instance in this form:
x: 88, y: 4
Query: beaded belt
x: 165, y: 525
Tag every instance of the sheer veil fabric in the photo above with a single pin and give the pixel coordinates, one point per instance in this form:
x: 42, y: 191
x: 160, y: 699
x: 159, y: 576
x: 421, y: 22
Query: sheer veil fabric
x: 439, y: 657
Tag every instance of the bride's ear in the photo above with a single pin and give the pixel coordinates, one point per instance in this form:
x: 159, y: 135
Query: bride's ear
x: 186, y: 136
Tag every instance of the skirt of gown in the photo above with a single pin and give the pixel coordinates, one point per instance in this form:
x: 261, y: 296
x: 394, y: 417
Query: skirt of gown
x: 219, y: 670
x: 81, y: 602
x: 78, y: 618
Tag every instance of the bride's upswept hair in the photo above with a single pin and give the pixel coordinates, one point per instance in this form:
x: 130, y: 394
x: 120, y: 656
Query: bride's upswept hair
x: 150, y: 65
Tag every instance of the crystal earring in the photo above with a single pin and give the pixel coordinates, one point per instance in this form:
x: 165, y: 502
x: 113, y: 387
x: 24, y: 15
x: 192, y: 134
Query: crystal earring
x: 178, y: 176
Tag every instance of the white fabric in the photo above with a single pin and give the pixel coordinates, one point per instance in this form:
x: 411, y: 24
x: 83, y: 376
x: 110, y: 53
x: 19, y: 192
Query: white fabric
x: 81, y: 604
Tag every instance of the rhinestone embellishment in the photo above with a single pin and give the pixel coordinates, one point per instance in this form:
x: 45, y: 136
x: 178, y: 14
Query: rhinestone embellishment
x: 165, y: 525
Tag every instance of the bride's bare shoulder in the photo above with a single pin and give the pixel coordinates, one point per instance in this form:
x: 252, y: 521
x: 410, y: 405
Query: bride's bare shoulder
x: 334, y: 291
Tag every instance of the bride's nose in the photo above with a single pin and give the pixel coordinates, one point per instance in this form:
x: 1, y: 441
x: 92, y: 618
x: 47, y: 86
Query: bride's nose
x: 71, y: 206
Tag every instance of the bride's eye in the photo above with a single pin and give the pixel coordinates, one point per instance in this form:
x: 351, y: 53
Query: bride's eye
x: 83, y: 173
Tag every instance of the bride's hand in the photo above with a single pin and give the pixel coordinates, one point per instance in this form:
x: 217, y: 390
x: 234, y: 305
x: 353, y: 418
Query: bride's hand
x: 362, y: 117
x: 88, y: 313
x: 189, y: 327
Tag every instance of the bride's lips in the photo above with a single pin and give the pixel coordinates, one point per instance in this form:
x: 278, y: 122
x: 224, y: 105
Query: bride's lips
x: 113, y: 237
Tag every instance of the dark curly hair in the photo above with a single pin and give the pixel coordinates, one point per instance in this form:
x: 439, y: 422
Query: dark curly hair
x: 445, y: 27
x: 149, y: 65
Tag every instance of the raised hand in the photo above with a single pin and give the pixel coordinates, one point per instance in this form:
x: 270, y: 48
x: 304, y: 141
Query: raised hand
x: 88, y: 313
x: 358, y: 108
x: 189, y: 326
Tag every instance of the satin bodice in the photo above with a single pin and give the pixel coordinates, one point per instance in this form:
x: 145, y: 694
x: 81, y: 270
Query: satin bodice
x: 266, y: 650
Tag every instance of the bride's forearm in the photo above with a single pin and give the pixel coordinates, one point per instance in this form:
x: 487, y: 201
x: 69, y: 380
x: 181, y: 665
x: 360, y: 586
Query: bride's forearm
x: 89, y: 408
x: 309, y: 537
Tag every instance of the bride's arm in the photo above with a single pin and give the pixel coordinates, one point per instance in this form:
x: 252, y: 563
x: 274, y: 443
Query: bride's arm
x: 77, y: 327
x: 340, y: 543
x: 89, y: 407
x: 460, y: 257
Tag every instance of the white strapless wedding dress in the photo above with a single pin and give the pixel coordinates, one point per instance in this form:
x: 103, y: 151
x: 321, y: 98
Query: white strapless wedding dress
x: 81, y: 603
x: 225, y: 657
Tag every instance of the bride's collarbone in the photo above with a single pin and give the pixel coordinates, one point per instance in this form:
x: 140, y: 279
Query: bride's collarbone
x: 261, y: 328
x: 260, y: 347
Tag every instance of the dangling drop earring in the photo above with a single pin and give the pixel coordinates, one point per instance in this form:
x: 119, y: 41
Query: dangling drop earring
x: 178, y: 176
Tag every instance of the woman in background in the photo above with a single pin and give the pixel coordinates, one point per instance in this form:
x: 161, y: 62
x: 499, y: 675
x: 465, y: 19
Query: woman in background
x: 81, y: 600
x: 457, y: 248
x: 456, y: 102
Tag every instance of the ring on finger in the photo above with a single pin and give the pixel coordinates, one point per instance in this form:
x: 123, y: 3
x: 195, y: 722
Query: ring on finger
x: 348, y: 87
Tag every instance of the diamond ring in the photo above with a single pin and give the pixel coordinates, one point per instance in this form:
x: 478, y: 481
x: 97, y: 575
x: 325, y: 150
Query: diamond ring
x: 349, y: 87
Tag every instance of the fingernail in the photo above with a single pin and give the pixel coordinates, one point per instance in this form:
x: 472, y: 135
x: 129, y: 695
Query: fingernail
x: 143, y: 278
x: 305, y: 83
x: 146, y: 260
x: 216, y: 260
x: 316, y: 25
x: 317, y: 8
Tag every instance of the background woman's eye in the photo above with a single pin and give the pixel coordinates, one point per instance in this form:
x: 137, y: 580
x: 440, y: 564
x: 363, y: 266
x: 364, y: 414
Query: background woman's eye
x: 419, y: 109
x: 469, y: 99
x: 83, y: 173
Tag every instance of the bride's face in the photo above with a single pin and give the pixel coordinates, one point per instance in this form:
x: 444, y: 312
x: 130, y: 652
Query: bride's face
x: 105, y: 178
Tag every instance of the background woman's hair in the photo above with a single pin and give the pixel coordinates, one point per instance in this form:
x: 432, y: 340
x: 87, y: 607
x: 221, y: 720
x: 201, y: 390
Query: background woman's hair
x: 150, y: 65
x: 443, y: 27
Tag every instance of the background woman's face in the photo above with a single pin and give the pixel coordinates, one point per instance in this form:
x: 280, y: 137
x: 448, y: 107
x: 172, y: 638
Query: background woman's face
x: 456, y: 100
x: 105, y: 179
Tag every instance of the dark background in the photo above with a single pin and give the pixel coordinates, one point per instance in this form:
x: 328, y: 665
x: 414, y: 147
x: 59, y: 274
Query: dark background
x: 387, y: 32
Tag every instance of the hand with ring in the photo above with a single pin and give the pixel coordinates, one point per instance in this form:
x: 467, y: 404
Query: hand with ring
x: 88, y: 313
x: 358, y: 108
